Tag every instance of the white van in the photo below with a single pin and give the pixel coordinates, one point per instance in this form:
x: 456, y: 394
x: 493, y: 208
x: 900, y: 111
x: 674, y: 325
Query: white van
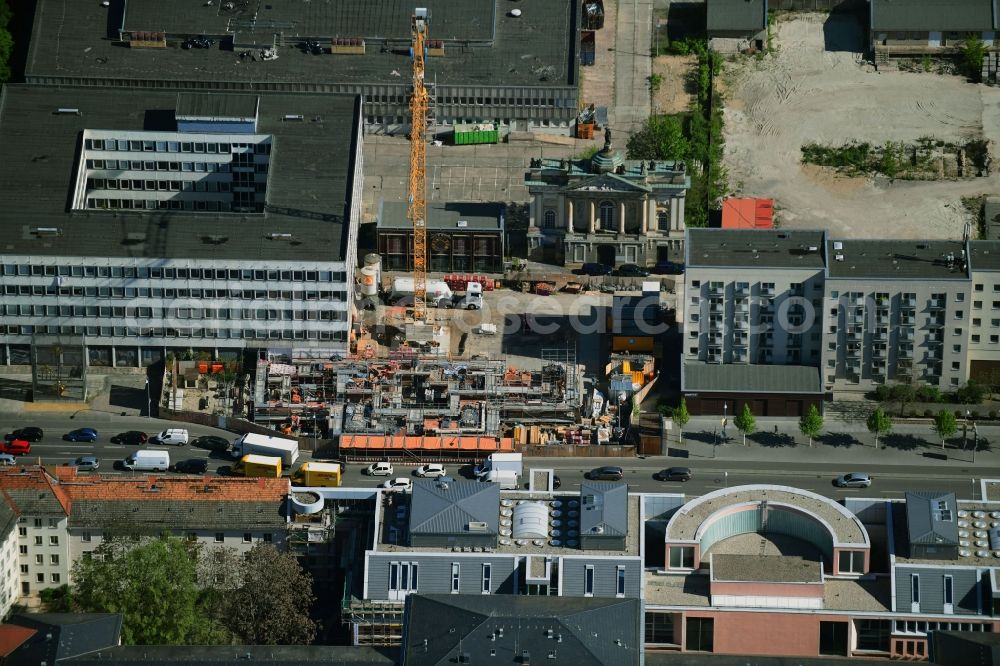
x: 173, y: 436
x: 147, y: 460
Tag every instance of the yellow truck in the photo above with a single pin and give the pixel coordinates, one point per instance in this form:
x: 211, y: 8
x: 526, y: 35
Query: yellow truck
x: 317, y: 475
x: 257, y: 466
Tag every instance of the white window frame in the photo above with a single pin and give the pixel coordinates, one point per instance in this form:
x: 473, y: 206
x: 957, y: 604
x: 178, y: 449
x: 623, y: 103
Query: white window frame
x: 620, y: 581
x: 914, y: 593
x: 487, y: 585
x: 588, y: 581
x: 456, y: 577
x: 948, y: 594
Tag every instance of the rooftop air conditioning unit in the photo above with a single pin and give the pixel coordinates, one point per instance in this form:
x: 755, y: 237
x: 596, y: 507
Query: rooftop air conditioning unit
x: 838, y: 257
x: 294, y: 116
x: 478, y: 526
x: 463, y: 223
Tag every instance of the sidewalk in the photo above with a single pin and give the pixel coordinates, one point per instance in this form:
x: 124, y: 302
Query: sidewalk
x: 844, y: 442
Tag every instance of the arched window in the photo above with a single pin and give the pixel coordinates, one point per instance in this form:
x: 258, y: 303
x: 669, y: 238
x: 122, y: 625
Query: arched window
x: 607, y: 215
x: 663, y: 221
x: 549, y: 220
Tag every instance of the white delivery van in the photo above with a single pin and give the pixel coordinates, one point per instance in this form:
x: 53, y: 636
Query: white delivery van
x: 172, y: 437
x: 147, y: 460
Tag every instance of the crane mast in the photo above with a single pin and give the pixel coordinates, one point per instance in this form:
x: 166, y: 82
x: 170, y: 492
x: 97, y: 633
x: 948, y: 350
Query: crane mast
x: 416, y: 211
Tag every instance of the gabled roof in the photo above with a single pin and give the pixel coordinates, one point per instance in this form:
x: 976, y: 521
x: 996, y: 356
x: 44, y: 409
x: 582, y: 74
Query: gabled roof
x: 747, y: 213
x: 584, y: 630
x: 13, y: 636
x: 736, y: 15
x: 64, y: 635
x: 603, y: 509
x: 30, y: 490
x: 932, y: 518
x: 448, y: 506
x: 933, y: 15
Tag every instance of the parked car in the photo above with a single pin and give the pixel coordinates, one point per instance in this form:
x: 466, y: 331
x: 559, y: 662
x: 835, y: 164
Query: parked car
x: 606, y: 473
x: 379, y: 469
x: 17, y: 447
x: 596, y: 269
x: 432, y: 470
x: 398, y: 484
x: 131, y: 437
x: 668, y: 268
x: 211, y: 443
x: 631, y: 270
x: 85, y: 463
x: 674, y: 474
x: 7, y: 460
x: 192, y: 466
x: 556, y: 482
x: 172, y: 436
x: 853, y: 480
x: 81, y: 435
x: 31, y: 434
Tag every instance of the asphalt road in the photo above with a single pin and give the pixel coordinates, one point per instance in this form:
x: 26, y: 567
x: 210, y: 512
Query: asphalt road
x: 890, y: 480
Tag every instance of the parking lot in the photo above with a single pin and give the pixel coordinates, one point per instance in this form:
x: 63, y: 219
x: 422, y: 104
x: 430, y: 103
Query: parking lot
x: 817, y: 88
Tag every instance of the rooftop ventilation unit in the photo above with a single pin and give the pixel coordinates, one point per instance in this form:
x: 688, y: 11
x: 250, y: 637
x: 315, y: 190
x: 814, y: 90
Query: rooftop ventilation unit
x: 478, y: 526
x: 813, y: 248
x: 838, y: 257
x: 46, y: 231
x: 279, y: 236
x: 838, y: 245
x: 463, y: 223
x: 66, y: 111
x: 293, y: 116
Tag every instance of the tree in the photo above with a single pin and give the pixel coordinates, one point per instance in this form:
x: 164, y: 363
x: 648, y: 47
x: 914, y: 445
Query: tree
x: 945, y: 425
x: 972, y: 393
x: 973, y: 52
x: 6, y: 41
x: 152, y: 584
x: 745, y: 423
x: 661, y: 138
x: 271, y: 605
x: 681, y: 418
x: 879, y: 423
x: 811, y: 423
x: 903, y: 394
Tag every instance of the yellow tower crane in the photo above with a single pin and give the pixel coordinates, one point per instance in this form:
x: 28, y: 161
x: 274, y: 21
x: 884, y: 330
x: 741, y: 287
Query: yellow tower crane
x: 416, y: 211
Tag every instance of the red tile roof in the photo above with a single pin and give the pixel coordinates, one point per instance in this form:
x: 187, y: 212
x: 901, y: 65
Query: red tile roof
x: 156, y: 487
x: 27, y: 478
x: 13, y: 637
x: 748, y: 213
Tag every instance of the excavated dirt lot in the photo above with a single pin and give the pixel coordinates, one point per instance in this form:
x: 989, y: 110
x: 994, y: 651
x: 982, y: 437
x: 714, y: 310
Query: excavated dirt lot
x: 816, y: 88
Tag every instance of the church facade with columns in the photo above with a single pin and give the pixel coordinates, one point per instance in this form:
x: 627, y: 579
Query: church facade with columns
x: 606, y: 210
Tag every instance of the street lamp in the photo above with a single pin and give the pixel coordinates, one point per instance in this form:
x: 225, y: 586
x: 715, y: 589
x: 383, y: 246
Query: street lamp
x: 149, y: 404
x: 725, y: 421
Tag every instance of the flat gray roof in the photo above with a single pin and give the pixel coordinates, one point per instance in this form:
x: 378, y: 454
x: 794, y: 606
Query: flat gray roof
x: 71, y: 39
x: 754, y: 248
x: 933, y: 15
x: 765, y: 569
x: 202, y: 105
x: 445, y: 216
x: 746, y: 378
x: 984, y: 255
x: 896, y: 259
x: 309, y: 189
x: 736, y: 14
x: 387, y: 19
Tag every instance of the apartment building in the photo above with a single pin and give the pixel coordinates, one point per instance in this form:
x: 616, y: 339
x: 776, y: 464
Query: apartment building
x: 835, y: 315
x: 160, y: 220
x: 64, y: 516
x: 750, y: 299
x: 459, y: 537
x: 9, y: 559
x: 897, y: 310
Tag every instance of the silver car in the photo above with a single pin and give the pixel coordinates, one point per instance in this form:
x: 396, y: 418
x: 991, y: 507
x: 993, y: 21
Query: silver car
x: 854, y: 480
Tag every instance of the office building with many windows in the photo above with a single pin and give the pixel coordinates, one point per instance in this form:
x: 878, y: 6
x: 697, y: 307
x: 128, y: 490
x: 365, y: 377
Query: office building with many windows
x: 138, y: 221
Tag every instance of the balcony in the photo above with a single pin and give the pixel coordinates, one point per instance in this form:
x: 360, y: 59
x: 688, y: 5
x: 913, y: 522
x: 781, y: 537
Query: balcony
x: 935, y: 304
x: 740, y: 357
x: 741, y: 307
x: 880, y: 335
x: 794, y: 341
x: 854, y: 351
x: 908, y: 303
x: 741, y: 341
x: 742, y: 324
x: 855, y: 335
x: 715, y: 289
x: 879, y: 352
x: 741, y: 291
x: 904, y: 353
x: 767, y: 291
x: 906, y: 334
x: 935, y: 323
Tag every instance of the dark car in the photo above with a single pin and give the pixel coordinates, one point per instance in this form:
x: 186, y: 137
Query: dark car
x: 596, y: 269
x: 674, y: 474
x: 606, y: 473
x: 81, y: 435
x: 29, y: 434
x: 192, y: 466
x: 212, y: 443
x: 631, y: 270
x: 132, y: 438
x: 668, y: 268
x: 556, y: 482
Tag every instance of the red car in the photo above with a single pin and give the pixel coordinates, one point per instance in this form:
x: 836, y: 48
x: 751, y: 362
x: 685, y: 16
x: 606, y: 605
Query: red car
x: 16, y: 447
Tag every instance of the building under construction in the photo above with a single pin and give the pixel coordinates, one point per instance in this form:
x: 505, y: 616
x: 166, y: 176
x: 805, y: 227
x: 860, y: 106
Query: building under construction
x: 428, y: 406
